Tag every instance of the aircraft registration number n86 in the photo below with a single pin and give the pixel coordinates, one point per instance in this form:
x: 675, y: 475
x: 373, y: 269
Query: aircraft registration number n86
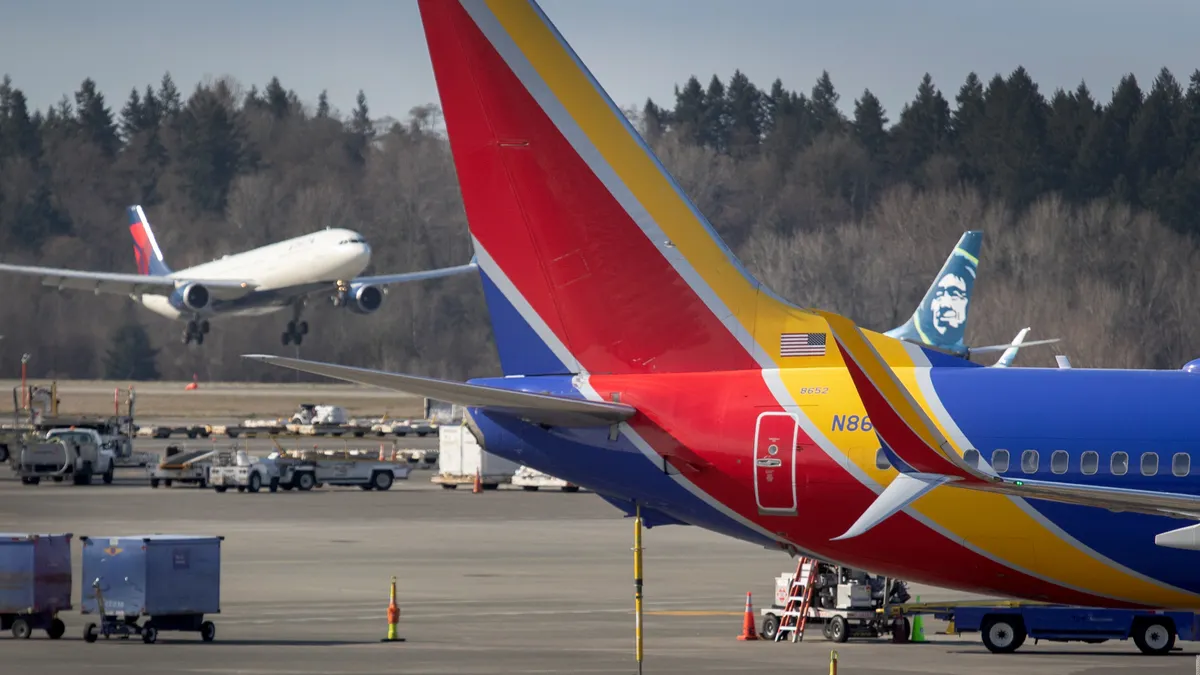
x: 851, y: 423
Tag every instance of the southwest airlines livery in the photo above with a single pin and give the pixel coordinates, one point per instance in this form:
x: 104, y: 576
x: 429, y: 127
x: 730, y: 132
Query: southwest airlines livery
x: 261, y: 281
x: 642, y: 361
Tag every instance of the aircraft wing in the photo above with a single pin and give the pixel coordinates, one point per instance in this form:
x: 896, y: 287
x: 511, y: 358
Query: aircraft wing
x: 123, y: 284
x: 549, y: 409
x: 386, y: 279
x: 926, y: 459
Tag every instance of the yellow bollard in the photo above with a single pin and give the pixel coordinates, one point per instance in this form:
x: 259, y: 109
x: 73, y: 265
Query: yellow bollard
x: 833, y: 662
x: 393, y: 617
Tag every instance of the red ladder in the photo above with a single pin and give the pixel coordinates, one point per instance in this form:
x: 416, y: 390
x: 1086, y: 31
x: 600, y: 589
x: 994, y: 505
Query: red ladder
x: 795, y: 611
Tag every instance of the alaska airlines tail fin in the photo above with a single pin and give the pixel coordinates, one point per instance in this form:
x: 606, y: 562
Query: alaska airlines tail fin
x: 941, y: 319
x: 593, y: 259
x: 145, y: 246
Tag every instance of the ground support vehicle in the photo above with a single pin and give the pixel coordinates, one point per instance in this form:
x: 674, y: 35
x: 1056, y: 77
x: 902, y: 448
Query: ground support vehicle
x: 182, y: 466
x: 75, y: 453
x: 35, y: 570
x: 287, y: 471
x: 846, y: 603
x: 171, y: 580
x: 461, y: 459
x: 1005, y: 626
x: 531, y: 480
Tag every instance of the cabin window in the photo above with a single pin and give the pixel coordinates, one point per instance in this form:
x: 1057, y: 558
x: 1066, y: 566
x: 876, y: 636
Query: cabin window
x: 1029, y: 461
x: 1149, y: 463
x: 881, y: 460
x: 971, y: 457
x: 1059, y: 461
x: 1089, y: 463
x: 1119, y: 464
x: 1000, y: 461
x: 1181, y: 464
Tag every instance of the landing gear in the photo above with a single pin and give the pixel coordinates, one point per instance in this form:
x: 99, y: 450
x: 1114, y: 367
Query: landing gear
x: 195, y: 331
x: 296, y: 329
x: 295, y: 332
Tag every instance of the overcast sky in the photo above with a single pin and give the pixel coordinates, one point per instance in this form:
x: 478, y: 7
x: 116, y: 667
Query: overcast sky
x: 636, y: 48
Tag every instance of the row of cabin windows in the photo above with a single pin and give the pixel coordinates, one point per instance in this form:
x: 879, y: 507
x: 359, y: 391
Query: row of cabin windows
x: 1089, y: 462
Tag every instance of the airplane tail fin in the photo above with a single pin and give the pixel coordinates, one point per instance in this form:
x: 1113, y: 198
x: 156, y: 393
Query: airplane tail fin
x: 941, y: 319
x: 145, y: 247
x: 592, y: 258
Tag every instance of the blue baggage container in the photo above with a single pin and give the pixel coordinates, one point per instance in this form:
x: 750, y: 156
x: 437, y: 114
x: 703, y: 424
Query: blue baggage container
x: 172, y: 579
x: 35, y: 582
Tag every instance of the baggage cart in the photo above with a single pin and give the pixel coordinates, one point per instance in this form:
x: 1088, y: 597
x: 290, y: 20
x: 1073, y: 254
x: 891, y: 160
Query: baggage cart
x: 35, y: 583
x: 172, y: 581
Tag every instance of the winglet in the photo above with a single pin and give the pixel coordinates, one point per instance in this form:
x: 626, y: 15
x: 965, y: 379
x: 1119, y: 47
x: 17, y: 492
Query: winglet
x: 897, y: 417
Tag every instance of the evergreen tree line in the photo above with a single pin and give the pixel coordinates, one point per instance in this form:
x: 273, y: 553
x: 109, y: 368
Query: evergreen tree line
x: 1087, y: 210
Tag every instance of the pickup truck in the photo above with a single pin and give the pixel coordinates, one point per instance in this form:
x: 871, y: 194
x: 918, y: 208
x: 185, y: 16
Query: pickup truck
x: 78, y: 453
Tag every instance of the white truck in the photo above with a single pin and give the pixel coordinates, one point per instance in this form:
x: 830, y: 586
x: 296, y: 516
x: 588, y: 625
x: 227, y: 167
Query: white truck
x: 460, y: 459
x: 80, y: 454
x: 275, y: 471
x: 531, y: 480
x: 309, y: 413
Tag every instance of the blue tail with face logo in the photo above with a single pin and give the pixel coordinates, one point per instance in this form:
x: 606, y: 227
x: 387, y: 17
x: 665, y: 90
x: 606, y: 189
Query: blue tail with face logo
x: 941, y: 319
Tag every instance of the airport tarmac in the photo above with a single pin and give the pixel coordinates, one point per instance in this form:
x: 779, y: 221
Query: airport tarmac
x: 498, y: 582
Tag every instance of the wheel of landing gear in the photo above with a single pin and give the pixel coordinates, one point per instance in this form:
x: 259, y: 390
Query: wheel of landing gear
x: 286, y: 338
x: 303, y: 326
x: 1155, y: 637
x: 199, y: 338
x: 187, y: 338
x: 204, y: 326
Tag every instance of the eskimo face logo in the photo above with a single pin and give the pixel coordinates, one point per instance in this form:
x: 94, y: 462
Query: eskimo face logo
x: 948, y: 308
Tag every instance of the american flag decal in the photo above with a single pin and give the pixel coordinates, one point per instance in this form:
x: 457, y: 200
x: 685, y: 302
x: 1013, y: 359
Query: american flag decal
x: 802, y: 344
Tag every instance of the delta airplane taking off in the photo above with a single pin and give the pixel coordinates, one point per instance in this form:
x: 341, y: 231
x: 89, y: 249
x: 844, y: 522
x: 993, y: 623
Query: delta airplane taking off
x: 260, y: 281
x: 643, y: 362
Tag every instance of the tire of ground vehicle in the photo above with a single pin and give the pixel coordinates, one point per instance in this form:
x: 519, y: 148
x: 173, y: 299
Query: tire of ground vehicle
x: 21, y: 629
x: 84, y: 475
x: 901, y: 630
x: 3, y: 453
x: 220, y: 488
x: 154, y: 482
x: 273, y: 486
x: 90, y: 632
x: 382, y: 480
x: 108, y: 474
x: 1002, y: 634
x: 1154, y: 636
x: 770, y: 626
x: 305, y: 481
x: 208, y: 631
x: 56, y: 629
x: 255, y: 482
x: 838, y: 630
x: 149, y: 633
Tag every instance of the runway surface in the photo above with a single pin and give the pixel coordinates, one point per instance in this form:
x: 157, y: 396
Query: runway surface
x: 498, y: 582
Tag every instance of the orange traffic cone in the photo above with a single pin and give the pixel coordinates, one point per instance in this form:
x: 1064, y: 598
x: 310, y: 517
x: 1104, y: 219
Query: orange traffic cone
x: 381, y: 456
x: 393, y: 617
x: 748, y: 632
x: 478, y: 483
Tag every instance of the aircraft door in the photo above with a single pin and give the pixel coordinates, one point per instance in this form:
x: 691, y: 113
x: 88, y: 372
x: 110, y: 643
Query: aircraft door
x: 775, y: 436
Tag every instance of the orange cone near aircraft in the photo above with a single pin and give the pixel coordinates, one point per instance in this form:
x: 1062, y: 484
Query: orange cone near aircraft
x: 748, y: 632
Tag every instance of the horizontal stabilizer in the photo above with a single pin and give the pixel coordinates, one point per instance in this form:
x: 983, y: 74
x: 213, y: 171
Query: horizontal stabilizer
x: 535, y: 407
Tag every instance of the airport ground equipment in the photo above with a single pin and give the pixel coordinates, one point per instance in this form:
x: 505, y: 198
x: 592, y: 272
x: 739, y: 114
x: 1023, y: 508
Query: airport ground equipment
x: 172, y: 581
x: 531, y: 480
x: 35, y: 583
x: 182, y: 466
x: 77, y: 454
x: 1005, y: 626
x: 460, y: 459
x: 848, y: 603
x: 303, y: 471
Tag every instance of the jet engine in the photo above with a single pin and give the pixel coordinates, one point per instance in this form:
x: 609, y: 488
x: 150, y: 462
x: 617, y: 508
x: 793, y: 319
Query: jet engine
x: 365, y: 299
x: 193, y: 296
